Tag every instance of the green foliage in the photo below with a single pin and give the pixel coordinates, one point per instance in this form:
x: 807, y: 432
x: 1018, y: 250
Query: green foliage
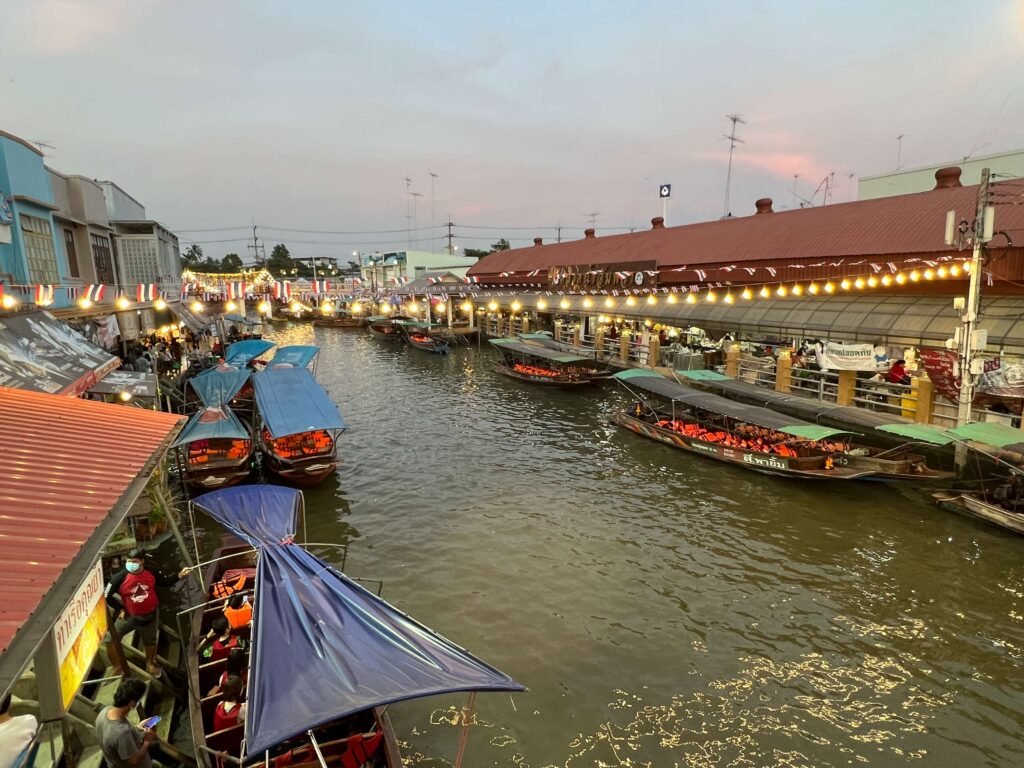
x: 280, y: 261
x: 192, y: 257
x: 231, y: 262
x: 209, y: 264
x: 501, y: 245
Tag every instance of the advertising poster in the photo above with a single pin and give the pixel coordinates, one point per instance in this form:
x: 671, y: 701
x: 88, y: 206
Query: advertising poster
x: 78, y: 634
x: 848, y: 357
x: 1001, y: 382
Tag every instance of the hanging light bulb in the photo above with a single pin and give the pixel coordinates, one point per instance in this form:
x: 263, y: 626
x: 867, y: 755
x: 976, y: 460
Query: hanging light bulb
x: 829, y: 287
x: 797, y: 290
x: 197, y: 306
x: 588, y: 302
x: 845, y: 284
x: 764, y: 293
x: 954, y: 271
x: 900, y: 278
x: 747, y: 294
x: 915, y: 276
x: 728, y: 298
x: 263, y: 307
x: 941, y: 272
x: 711, y: 297
x: 467, y: 306
x: 541, y: 304
x: 231, y: 306
x: 872, y: 282
x: 652, y: 299
x: 671, y: 298
x: 691, y: 299
x: 780, y: 291
x: 886, y: 280
x: 630, y: 302
x: 967, y: 267
x: 812, y: 288
x: 516, y: 306
x: 929, y: 274
x: 609, y: 302
x: 85, y: 303
x: 859, y: 283
x: 564, y: 304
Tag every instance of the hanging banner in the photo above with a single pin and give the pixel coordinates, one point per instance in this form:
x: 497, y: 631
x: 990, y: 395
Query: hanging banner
x: 107, y: 331
x: 78, y: 633
x: 940, y: 365
x: 847, y: 357
x: 129, y: 324
x: 1002, y: 380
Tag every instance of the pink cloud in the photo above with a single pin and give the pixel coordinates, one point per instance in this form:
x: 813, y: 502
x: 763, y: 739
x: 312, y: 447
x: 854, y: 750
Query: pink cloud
x: 783, y: 164
x: 61, y: 27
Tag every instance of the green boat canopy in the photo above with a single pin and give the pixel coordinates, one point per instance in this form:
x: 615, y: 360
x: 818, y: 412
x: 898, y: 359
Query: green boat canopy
x: 920, y: 432
x: 998, y: 435
x: 533, y: 350
x: 812, y: 431
x: 703, y: 375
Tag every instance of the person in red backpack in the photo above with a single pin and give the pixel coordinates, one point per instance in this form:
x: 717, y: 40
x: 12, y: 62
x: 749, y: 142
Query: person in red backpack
x: 131, y: 593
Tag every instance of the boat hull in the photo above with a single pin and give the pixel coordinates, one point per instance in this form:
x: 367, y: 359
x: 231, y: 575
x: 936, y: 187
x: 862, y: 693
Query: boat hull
x: 546, y: 381
x: 758, y: 462
x: 305, y: 473
x: 217, y: 477
x: 433, y: 346
x: 980, y: 509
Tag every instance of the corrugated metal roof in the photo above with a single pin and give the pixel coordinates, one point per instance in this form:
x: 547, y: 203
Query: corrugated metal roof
x: 906, y: 224
x: 66, y: 464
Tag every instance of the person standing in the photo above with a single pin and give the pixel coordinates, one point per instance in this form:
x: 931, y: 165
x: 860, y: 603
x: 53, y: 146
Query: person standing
x: 123, y: 744
x: 132, y: 593
x: 16, y: 735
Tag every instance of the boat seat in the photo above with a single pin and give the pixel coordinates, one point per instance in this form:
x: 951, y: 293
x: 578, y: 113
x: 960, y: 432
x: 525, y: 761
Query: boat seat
x: 229, y: 740
x: 207, y: 707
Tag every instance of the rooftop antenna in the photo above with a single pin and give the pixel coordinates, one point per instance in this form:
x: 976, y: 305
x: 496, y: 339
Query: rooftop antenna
x: 593, y: 219
x: 42, y: 145
x: 733, y: 141
x: 795, y: 177
x: 849, y: 179
x: 899, y: 150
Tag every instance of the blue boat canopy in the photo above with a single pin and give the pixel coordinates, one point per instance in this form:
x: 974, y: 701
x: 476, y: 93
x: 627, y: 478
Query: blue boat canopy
x: 215, y: 422
x: 241, y: 352
x: 297, y: 356
x: 291, y: 402
x: 263, y: 515
x: 217, y: 386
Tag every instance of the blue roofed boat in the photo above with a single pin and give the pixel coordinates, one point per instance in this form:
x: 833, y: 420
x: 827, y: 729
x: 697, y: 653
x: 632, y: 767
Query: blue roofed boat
x: 296, y: 356
x: 327, y: 656
x: 241, y: 352
x: 299, y: 425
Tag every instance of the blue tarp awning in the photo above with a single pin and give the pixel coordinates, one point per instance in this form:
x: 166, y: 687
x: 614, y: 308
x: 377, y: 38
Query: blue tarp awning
x: 297, y: 356
x: 324, y: 647
x: 216, y: 422
x: 241, y: 352
x: 263, y: 515
x: 219, y: 385
x: 291, y: 402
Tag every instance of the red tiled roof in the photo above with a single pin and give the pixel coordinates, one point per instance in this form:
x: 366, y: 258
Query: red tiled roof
x: 905, y: 224
x: 65, y: 465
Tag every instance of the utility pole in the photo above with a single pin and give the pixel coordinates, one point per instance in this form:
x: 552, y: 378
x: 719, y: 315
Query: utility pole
x: 981, y: 232
x: 899, y: 150
x: 259, y: 253
x: 733, y: 141
x: 795, y: 177
x: 408, y: 212
x: 450, y: 236
x: 433, y: 177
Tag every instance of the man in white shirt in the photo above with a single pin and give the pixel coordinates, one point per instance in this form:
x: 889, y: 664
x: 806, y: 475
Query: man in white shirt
x: 16, y: 734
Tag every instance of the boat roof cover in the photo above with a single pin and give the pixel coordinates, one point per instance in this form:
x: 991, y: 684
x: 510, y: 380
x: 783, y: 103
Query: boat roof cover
x: 412, y: 323
x: 218, y: 386
x: 991, y: 433
x: 297, y: 356
x: 921, y: 432
x: 241, y: 352
x: 291, y: 401
x: 215, y: 422
x: 259, y: 514
x: 703, y: 375
x: 511, y: 345
x: 135, y: 384
x: 325, y: 647
x: 749, y: 414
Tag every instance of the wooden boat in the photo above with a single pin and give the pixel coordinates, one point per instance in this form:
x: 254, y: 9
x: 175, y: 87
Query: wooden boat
x: 981, y: 507
x: 327, y: 655
x: 540, y: 364
x: 216, y: 449
x: 383, y: 326
x: 299, y: 425
x: 340, y: 320
x: 746, y: 436
x: 417, y: 334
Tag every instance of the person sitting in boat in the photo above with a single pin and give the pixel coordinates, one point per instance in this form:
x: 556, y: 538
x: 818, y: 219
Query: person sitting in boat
x: 238, y: 611
x: 230, y: 710
x: 237, y: 666
x: 219, y: 641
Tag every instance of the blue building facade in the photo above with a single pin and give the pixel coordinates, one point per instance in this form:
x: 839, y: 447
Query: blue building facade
x: 31, y: 253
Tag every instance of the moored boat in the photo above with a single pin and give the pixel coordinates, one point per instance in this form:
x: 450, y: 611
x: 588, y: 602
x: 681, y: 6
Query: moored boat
x: 417, y: 334
x: 340, y: 319
x: 327, y: 656
x: 383, y: 326
x: 539, y: 364
x: 298, y: 427
x: 747, y: 436
x: 983, y: 507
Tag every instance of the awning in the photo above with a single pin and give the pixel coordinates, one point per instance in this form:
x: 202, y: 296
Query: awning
x: 219, y: 385
x: 534, y: 350
x: 241, y: 352
x: 191, y: 319
x: 216, y: 422
x: 990, y: 433
x: 263, y: 515
x: 130, y: 382
x: 69, y: 471
x: 40, y: 353
x: 291, y: 401
x: 296, y: 356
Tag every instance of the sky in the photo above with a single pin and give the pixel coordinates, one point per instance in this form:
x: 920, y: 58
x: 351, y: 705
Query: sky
x: 310, y: 115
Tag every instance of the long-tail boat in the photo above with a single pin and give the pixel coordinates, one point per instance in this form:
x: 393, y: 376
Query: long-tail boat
x: 298, y: 425
x: 742, y: 435
x: 539, y: 364
x: 417, y: 334
x: 326, y: 656
x: 295, y: 356
x: 340, y: 319
x: 383, y: 327
x: 215, y: 446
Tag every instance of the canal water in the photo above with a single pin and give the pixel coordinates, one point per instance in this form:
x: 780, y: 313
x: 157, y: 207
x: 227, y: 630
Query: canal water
x: 663, y: 609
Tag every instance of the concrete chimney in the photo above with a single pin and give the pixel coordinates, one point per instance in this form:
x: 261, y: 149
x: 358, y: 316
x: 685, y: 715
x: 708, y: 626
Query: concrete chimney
x: 947, y: 178
x: 538, y: 241
x: 764, y: 205
x: 588, y: 234
x: 657, y: 223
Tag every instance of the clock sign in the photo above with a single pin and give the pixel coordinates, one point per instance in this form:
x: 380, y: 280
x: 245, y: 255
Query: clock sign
x: 665, y: 190
x: 638, y: 278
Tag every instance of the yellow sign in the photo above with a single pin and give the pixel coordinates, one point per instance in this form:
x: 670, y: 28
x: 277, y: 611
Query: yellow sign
x: 78, y: 634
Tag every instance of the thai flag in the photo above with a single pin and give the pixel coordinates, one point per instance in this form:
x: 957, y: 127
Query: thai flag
x: 403, y: 280
x: 432, y: 280
x: 145, y: 292
x: 471, y: 279
x: 236, y: 289
x: 357, y: 281
x: 533, y: 274
x: 622, y: 275
x: 44, y: 295
x: 282, y: 290
x: 321, y: 286
x: 74, y: 291
x: 94, y: 293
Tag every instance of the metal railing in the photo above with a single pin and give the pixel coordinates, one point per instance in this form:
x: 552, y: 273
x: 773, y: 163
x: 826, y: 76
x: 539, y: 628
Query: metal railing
x: 820, y: 385
x: 897, y: 399
x: 755, y: 373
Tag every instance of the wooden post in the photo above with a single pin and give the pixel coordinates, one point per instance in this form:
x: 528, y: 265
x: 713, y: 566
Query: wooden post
x: 847, y: 387
x: 526, y: 324
x: 576, y: 336
x: 732, y: 361
x: 501, y: 325
x: 599, y: 343
x: 925, y: 390
x: 783, y: 373
x: 558, y: 330
x: 654, y: 352
x: 624, y: 347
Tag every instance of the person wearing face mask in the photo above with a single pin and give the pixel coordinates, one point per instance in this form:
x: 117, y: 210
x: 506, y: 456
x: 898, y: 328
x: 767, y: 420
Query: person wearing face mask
x: 131, y: 593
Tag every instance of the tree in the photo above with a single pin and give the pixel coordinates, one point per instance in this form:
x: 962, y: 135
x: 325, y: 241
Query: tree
x: 501, y: 245
x: 231, y: 262
x: 208, y: 265
x: 192, y: 257
x: 280, y: 261
x: 476, y: 253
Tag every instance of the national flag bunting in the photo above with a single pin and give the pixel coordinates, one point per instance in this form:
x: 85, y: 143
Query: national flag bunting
x: 282, y: 290
x: 471, y: 279
x: 94, y: 293
x: 145, y: 292
x: 44, y: 295
x: 321, y: 286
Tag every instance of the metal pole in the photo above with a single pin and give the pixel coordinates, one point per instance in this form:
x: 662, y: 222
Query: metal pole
x: 970, y: 320
x: 464, y: 736
x: 316, y: 748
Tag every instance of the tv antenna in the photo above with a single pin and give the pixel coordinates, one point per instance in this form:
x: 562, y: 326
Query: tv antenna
x: 42, y: 145
x: 899, y: 150
x: 733, y: 141
x: 593, y: 218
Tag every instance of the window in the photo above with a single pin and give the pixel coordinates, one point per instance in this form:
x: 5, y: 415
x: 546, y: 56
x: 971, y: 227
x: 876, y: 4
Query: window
x: 139, y: 262
x: 69, y: 246
x: 103, y: 259
x: 39, y: 253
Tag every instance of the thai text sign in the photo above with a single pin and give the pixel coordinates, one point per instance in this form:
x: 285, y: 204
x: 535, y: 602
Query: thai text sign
x: 78, y: 633
x: 604, y: 277
x: 846, y: 357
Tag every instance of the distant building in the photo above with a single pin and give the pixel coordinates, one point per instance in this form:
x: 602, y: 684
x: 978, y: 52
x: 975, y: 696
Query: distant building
x: 84, y: 228
x: 910, y: 180
x: 381, y: 268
